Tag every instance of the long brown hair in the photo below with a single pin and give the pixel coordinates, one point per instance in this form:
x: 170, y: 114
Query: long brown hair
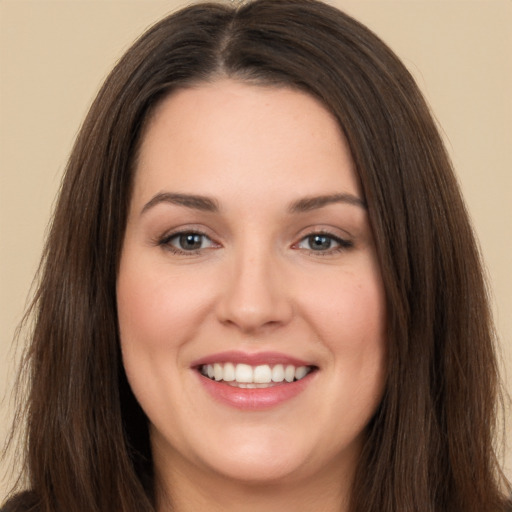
x: 430, y: 444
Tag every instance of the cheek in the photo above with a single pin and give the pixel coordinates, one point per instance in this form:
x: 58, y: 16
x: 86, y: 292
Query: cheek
x: 349, y: 310
x: 159, y: 312
x: 158, y: 308
x: 349, y: 317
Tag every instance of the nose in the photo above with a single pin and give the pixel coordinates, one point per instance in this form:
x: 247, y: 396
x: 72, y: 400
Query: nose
x: 255, y: 296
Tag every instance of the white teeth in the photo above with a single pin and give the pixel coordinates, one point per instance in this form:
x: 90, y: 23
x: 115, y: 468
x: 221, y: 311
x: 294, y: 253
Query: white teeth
x: 262, y: 374
x: 289, y: 373
x: 246, y: 376
x: 243, y: 373
x: 300, y: 372
x: 217, y: 371
x: 229, y: 372
x: 249, y: 385
x: 278, y: 373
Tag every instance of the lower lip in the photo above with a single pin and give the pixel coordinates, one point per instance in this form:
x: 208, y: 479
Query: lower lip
x: 255, y: 399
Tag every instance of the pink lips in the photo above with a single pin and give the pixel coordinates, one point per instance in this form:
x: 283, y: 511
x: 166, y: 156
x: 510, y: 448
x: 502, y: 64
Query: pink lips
x: 257, y: 398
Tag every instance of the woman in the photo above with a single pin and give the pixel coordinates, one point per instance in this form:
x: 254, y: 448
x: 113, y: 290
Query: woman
x: 261, y: 288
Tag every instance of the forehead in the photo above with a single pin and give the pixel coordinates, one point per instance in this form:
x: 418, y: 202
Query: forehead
x: 227, y: 135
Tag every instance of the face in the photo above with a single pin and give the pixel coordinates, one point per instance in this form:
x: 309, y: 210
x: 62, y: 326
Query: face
x: 250, y: 301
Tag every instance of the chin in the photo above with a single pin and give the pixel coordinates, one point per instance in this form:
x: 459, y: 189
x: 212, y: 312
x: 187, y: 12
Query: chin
x: 254, y: 466
x: 254, y: 455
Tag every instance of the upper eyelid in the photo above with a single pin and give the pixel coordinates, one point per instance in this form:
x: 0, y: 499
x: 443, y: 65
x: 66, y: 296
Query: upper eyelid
x: 172, y: 234
x: 192, y: 229
x: 201, y: 231
x: 327, y: 230
x: 342, y: 242
x: 323, y: 233
x: 166, y: 239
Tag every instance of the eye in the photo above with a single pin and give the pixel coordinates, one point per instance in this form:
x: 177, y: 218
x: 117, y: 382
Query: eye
x: 323, y: 243
x: 187, y: 242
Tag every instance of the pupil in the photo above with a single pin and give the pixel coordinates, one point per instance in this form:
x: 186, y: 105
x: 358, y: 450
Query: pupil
x: 190, y: 241
x: 319, y: 242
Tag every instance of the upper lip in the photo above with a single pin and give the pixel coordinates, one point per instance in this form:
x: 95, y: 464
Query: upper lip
x: 252, y: 359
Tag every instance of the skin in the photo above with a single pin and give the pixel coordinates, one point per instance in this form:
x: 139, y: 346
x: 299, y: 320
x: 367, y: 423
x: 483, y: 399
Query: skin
x: 255, y: 284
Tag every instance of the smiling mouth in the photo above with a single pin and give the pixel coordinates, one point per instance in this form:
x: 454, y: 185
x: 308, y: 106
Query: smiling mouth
x: 251, y: 377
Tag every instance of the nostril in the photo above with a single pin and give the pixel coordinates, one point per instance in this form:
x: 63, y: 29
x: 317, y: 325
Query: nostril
x: 250, y: 317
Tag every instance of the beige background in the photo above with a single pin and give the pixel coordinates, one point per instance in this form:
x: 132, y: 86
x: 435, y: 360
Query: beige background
x: 54, y: 55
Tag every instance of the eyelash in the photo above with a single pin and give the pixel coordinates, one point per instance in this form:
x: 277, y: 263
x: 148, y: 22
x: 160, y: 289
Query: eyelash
x: 165, y: 242
x: 341, y: 243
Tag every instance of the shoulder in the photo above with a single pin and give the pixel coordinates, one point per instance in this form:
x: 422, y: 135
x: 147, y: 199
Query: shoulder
x: 23, y: 502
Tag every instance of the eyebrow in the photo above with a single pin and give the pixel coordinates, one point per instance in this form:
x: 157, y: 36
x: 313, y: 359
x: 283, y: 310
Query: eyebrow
x: 194, y: 202
x: 316, y: 202
x: 207, y: 204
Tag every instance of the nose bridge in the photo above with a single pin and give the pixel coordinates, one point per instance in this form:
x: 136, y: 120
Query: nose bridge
x: 255, y: 295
